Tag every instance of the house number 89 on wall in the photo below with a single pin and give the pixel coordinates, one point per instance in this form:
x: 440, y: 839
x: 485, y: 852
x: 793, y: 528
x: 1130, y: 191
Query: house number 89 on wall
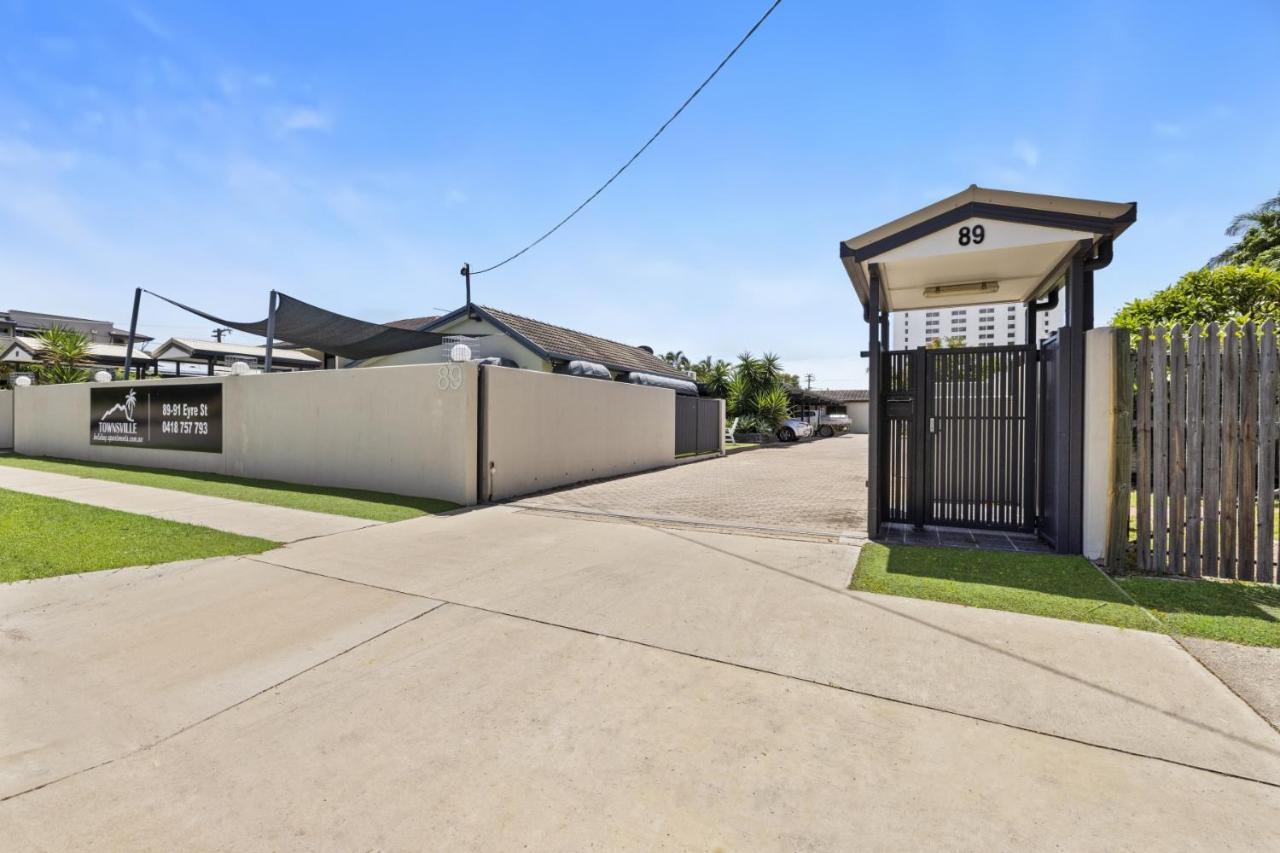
x: 974, y: 235
x: 450, y: 377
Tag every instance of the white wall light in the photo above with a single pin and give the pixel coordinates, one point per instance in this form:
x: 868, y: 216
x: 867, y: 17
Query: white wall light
x: 240, y: 369
x: 460, y: 352
x: 102, y: 376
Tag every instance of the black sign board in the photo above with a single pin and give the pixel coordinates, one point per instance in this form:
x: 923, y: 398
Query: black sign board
x: 157, y: 415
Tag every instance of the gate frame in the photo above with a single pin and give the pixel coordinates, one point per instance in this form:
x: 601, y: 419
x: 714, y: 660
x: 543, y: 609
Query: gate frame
x: 1072, y: 273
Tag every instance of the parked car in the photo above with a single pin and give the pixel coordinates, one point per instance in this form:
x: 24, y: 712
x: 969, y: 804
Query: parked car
x: 825, y: 425
x: 794, y: 429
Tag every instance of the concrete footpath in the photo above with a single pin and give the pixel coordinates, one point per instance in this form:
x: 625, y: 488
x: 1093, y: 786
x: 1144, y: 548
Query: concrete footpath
x: 277, y: 523
x: 504, y: 678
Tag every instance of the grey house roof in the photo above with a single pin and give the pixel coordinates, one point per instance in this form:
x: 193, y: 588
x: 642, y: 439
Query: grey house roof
x: 848, y: 395
x: 37, y: 320
x: 556, y: 343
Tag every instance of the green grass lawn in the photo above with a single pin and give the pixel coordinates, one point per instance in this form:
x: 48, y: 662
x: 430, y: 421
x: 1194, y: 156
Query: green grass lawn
x: 1245, y: 613
x: 728, y: 448
x: 42, y: 537
x: 1071, y: 588
x: 738, y: 448
x: 350, y: 502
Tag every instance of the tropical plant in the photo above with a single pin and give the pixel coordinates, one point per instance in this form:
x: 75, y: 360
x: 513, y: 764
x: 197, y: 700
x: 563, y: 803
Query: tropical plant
x: 771, y: 406
x: 61, y: 354
x: 1218, y: 294
x: 718, y: 379
x: 1259, y: 233
x: 677, y: 359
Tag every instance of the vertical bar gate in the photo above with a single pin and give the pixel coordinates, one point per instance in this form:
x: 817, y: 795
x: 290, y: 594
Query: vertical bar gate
x: 961, y: 437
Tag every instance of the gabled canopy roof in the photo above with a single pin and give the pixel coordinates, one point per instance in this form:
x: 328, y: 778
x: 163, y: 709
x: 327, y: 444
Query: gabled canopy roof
x: 21, y: 350
x: 979, y: 246
x: 188, y: 349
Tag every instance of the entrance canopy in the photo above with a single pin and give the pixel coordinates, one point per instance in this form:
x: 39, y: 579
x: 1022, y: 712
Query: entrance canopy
x: 979, y: 246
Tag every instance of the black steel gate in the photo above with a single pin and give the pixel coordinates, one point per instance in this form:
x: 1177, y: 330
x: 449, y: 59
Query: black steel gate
x: 960, y: 437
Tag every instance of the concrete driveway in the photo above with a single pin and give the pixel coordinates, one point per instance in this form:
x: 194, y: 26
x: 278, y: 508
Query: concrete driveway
x: 813, y: 489
x: 506, y: 678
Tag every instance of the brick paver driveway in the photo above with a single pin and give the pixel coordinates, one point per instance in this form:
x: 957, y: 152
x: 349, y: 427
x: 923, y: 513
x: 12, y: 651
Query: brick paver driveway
x: 810, y: 488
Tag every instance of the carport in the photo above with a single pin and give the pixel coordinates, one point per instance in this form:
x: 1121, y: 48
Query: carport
x: 982, y: 437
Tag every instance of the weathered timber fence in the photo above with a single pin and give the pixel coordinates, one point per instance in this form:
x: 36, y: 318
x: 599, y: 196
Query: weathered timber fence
x: 1206, y: 430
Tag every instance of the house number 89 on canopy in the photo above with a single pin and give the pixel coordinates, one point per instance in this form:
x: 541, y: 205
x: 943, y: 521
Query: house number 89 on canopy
x: 974, y: 235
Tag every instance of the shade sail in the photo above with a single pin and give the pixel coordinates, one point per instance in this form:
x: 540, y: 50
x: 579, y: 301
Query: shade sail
x: 306, y: 325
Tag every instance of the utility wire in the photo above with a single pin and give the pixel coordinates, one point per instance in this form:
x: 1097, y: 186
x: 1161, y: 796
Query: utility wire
x: 636, y: 155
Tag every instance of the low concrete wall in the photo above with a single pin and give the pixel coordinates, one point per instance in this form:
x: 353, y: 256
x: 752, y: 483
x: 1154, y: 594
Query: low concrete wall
x: 543, y: 430
x: 405, y: 430
x: 6, y: 420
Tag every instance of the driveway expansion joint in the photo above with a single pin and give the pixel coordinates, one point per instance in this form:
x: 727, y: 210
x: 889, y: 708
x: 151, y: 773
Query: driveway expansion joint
x: 208, y: 717
x: 775, y: 673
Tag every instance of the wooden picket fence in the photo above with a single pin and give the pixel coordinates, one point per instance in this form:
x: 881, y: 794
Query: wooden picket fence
x: 1206, y: 429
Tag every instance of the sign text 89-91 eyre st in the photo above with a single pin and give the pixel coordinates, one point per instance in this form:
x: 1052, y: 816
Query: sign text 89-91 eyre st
x: 157, y: 416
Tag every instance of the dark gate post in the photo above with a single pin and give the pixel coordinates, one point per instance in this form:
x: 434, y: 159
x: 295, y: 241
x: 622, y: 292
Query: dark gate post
x: 133, y: 331
x: 875, y: 412
x: 918, y: 494
x: 271, y: 330
x: 1079, y: 320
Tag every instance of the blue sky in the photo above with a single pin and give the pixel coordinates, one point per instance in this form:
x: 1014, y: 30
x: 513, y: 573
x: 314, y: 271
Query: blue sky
x: 355, y: 155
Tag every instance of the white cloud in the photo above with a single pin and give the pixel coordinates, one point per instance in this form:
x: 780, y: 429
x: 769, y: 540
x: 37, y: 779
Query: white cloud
x: 1027, y: 152
x: 306, y: 118
x: 149, y: 22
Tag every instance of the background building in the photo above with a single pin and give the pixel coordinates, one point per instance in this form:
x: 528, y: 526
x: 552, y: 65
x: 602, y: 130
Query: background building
x: 978, y: 325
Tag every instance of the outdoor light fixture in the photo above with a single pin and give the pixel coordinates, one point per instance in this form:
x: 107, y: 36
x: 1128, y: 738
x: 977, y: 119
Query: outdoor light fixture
x: 102, y: 376
x: 22, y: 381
x: 939, y: 290
x: 240, y: 368
x: 460, y: 352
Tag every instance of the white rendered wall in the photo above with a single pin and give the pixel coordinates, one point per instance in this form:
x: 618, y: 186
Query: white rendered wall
x: 403, y: 430
x: 544, y: 430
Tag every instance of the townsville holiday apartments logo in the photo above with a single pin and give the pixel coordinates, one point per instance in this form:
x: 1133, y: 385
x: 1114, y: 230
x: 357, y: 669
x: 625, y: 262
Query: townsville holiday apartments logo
x: 115, y: 424
x: 126, y: 408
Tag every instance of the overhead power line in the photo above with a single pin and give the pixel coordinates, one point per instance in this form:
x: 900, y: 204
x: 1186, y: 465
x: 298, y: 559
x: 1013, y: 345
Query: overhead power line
x: 642, y: 148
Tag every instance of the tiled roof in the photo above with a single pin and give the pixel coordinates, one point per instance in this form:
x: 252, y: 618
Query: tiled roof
x: 566, y: 343
x: 848, y: 395
x: 413, y: 324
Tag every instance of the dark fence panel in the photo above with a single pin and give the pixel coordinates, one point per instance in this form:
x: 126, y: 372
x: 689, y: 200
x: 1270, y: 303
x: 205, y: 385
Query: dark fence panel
x: 977, y: 450
x: 698, y: 425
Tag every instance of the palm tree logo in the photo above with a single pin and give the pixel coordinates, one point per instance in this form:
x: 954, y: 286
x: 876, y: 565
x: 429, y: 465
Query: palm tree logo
x: 126, y: 408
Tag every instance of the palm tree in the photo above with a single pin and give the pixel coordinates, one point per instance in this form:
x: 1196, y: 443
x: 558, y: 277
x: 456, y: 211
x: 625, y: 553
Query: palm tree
x: 771, y: 372
x: 62, y: 352
x: 718, y: 379
x: 676, y: 359
x: 1259, y: 233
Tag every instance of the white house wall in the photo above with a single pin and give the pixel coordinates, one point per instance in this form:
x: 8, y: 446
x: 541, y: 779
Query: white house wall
x: 496, y: 343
